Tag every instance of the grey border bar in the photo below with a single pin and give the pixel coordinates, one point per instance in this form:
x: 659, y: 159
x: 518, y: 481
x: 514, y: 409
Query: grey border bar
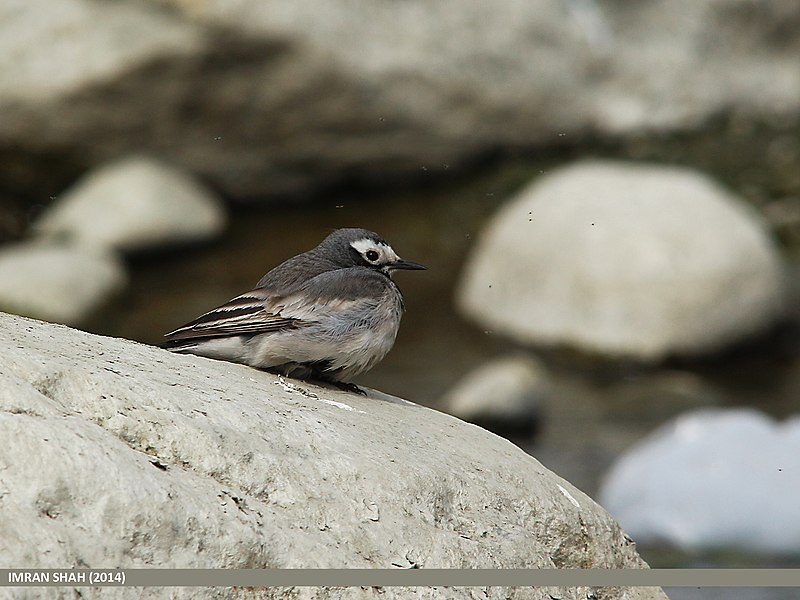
x: 421, y: 577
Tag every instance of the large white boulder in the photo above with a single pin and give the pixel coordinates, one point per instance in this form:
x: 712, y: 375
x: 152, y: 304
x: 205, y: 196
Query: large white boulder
x: 134, y: 203
x: 117, y: 454
x: 625, y: 259
x: 59, y: 283
x: 712, y: 479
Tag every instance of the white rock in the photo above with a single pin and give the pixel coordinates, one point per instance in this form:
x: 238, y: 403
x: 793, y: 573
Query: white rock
x: 712, y: 479
x: 57, y: 283
x: 625, y: 259
x: 116, y: 453
x: 134, y: 203
x: 503, y: 393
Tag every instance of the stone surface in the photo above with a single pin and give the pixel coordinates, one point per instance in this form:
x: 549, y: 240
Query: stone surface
x: 625, y: 259
x: 120, y: 454
x: 503, y: 395
x: 712, y: 479
x: 57, y: 283
x: 134, y: 203
x: 268, y: 97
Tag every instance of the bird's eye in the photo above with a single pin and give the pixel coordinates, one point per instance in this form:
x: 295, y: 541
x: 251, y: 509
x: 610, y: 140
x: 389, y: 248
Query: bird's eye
x: 372, y: 255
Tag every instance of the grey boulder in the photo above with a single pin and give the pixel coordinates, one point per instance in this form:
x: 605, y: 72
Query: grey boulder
x: 268, y: 97
x: 117, y: 454
x: 625, y: 259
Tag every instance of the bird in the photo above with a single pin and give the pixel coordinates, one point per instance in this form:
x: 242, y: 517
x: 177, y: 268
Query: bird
x: 327, y: 314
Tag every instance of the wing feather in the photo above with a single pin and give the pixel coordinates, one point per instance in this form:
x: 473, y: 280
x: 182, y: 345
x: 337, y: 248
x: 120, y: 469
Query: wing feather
x: 248, y: 313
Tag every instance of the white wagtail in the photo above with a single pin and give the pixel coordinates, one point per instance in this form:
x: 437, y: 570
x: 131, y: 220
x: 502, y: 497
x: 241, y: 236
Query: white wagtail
x: 328, y: 314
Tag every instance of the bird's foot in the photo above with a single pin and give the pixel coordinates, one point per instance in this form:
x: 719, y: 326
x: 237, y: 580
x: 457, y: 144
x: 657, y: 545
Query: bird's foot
x: 348, y: 387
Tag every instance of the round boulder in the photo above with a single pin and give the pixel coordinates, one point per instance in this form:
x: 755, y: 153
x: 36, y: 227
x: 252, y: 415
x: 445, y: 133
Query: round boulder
x: 134, y: 203
x: 63, y: 284
x: 625, y: 259
x: 503, y: 395
x: 712, y: 479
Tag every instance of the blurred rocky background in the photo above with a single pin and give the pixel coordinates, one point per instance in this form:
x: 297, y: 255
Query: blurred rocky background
x: 607, y: 195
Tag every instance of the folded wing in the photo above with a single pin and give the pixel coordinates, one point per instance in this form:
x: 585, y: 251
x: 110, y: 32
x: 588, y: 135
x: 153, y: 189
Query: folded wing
x: 249, y: 313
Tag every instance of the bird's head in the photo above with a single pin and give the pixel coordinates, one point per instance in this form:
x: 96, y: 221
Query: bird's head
x: 363, y: 248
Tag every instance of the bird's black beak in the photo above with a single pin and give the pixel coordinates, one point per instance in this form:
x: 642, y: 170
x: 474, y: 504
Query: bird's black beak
x: 409, y: 265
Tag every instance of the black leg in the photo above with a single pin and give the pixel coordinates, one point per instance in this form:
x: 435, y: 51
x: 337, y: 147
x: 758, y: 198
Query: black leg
x: 348, y: 387
x: 315, y: 372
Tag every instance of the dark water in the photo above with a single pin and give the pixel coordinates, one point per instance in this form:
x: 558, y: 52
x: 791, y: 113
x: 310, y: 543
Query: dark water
x: 598, y: 408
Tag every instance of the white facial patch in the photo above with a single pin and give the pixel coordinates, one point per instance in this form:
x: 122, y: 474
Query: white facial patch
x: 385, y: 253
